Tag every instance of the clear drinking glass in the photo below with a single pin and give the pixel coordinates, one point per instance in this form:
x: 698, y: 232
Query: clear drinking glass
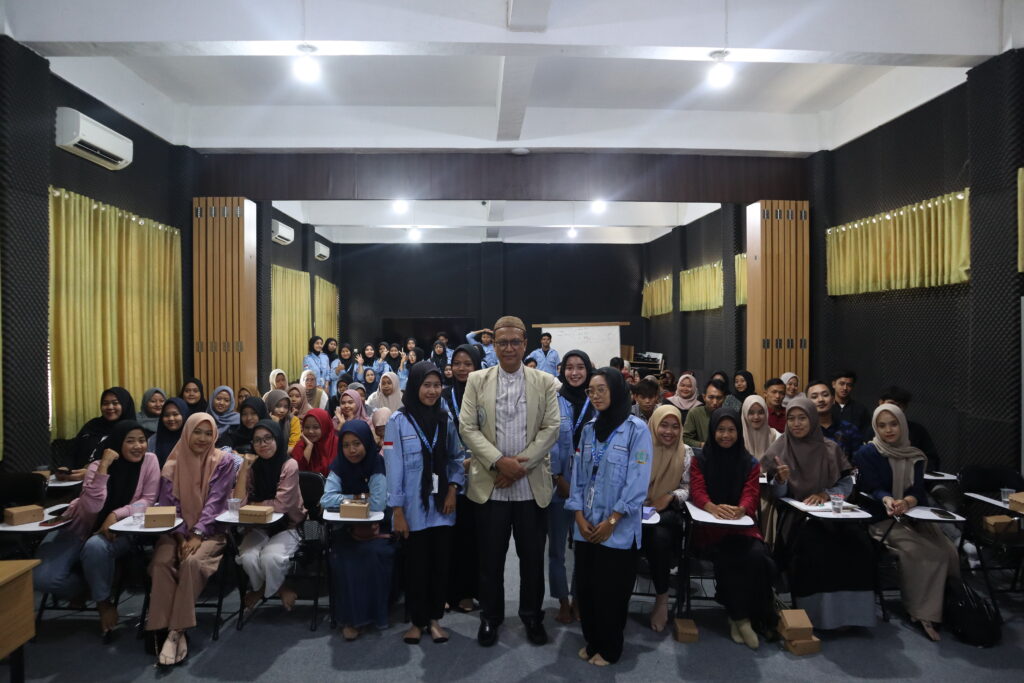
x: 837, y: 503
x: 138, y: 513
x: 233, y: 505
x: 1004, y: 494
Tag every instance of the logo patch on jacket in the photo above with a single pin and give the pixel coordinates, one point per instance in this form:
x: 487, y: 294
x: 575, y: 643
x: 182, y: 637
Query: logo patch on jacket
x: 641, y: 457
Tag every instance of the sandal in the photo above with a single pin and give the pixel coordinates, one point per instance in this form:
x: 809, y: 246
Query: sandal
x: 413, y: 639
x: 169, y: 651
x: 182, y: 649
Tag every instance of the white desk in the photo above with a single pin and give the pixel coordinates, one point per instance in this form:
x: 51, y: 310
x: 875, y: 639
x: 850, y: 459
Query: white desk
x: 232, y: 518
x: 654, y: 519
x: 336, y: 518
x: 704, y: 517
x: 36, y: 527
x: 128, y: 526
x: 939, y: 476
x: 925, y: 514
x: 55, y: 483
x: 762, y: 479
x: 992, y: 501
x: 824, y: 510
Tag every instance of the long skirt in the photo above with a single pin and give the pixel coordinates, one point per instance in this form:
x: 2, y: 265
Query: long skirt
x: 744, y: 577
x: 927, y: 559
x: 361, y: 579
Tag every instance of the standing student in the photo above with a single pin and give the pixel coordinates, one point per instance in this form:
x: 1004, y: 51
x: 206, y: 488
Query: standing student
x: 775, y: 396
x: 439, y: 356
x: 116, y: 405
x: 346, y: 360
x: 424, y: 459
x: 372, y: 361
x: 152, y: 403
x: 319, y: 444
x: 370, y: 381
x: 269, y: 477
x: 610, y: 477
x: 667, y: 492
x: 547, y: 358
x: 196, y: 481
x: 724, y: 483
x: 464, y: 573
x: 695, y: 429
x: 331, y: 351
x: 490, y: 359
x: 361, y: 555
x: 388, y: 395
x: 730, y: 402
x: 194, y: 394
x: 648, y: 396
x: 575, y: 410
x: 849, y: 409
x: 317, y: 362
x: 279, y: 407
x: 83, y: 554
x: 509, y: 420
x: 223, y: 408
x: 686, y: 396
x: 442, y: 337
x: 172, y: 420
x: 791, y: 382
x: 239, y: 437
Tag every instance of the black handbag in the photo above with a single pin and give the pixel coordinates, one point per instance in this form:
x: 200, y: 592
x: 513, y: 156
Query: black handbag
x: 970, y: 617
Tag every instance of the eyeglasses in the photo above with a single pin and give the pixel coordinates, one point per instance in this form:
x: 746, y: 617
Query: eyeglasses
x: 510, y: 343
x: 261, y: 440
x: 594, y: 392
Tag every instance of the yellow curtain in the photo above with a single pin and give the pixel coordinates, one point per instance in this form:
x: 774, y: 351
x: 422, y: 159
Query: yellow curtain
x: 741, y: 279
x: 115, y: 307
x: 325, y: 313
x: 290, y: 313
x: 1020, y: 220
x: 657, y: 299
x: 700, y: 288
x: 921, y: 245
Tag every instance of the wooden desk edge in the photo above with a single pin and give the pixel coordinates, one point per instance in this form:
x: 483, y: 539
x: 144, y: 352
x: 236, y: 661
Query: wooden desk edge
x: 12, y: 569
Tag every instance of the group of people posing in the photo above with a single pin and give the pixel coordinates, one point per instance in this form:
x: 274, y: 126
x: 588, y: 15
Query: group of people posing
x: 460, y: 456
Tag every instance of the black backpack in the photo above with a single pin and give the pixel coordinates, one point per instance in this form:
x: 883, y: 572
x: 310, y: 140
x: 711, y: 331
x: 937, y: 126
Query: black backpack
x: 970, y: 617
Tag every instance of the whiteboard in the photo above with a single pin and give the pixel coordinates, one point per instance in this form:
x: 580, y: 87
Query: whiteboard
x: 600, y: 342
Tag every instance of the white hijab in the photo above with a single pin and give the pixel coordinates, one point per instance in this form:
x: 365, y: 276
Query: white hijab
x: 378, y: 400
x: 786, y: 376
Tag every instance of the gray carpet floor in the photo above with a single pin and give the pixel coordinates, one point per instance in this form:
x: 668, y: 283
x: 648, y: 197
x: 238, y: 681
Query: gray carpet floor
x: 279, y: 646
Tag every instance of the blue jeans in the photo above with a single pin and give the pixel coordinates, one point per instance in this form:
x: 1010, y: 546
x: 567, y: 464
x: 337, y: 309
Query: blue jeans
x: 69, y: 564
x: 559, y: 523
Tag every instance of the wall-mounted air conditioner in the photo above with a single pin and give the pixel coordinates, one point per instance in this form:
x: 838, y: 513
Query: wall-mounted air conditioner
x: 91, y: 140
x: 281, y: 233
x: 321, y: 252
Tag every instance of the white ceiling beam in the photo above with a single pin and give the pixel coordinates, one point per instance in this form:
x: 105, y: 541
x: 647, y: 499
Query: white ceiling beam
x: 514, y: 81
x: 528, y: 15
x: 496, y: 210
x: 905, y: 33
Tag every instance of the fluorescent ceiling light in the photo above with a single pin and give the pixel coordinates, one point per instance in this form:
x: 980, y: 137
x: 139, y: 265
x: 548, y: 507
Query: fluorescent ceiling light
x: 571, y: 232
x: 305, y: 68
x: 399, y: 206
x: 415, y: 234
x: 598, y: 206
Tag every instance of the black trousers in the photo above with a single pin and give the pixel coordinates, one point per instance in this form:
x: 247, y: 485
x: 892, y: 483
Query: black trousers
x: 464, y: 578
x: 527, y: 522
x: 662, y: 542
x: 427, y: 553
x: 744, y: 576
x: 604, y: 585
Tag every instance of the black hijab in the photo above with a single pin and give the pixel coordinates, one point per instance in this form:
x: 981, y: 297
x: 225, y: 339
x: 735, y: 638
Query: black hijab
x: 165, y: 438
x: 266, y: 473
x: 457, y: 388
x: 741, y: 396
x: 334, y: 401
x: 394, y: 363
x: 420, y: 355
x: 91, y: 437
x: 355, y: 476
x: 577, y: 396
x: 432, y: 420
x: 331, y: 355
x: 729, y: 388
x: 122, y: 476
x: 347, y: 365
x: 241, y: 436
x: 609, y: 419
x: 199, y: 406
x: 439, y: 359
x: 725, y: 469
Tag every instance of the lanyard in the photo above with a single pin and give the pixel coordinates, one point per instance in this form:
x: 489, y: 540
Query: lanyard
x: 423, y: 438
x: 583, y: 413
x: 455, y: 404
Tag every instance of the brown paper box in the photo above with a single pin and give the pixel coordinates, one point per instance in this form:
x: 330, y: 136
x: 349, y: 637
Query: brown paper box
x: 794, y: 624
x: 24, y: 514
x: 686, y: 631
x: 800, y: 648
x: 999, y: 525
x: 1017, y: 501
x: 354, y: 509
x: 255, y: 514
x: 159, y: 516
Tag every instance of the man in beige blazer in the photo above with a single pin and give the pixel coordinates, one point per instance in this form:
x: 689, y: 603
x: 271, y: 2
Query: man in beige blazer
x: 509, y: 420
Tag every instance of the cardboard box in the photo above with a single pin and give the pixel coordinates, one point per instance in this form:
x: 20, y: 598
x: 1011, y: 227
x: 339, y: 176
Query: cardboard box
x: 159, y: 516
x: 686, y: 631
x: 354, y: 509
x: 1017, y: 501
x: 999, y: 525
x: 794, y: 624
x: 255, y: 514
x: 23, y: 514
x: 45, y: 474
x: 809, y: 646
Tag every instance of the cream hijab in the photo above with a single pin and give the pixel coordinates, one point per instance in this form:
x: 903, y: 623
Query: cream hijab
x: 786, y: 376
x: 685, y: 403
x: 757, y: 440
x: 378, y: 400
x: 190, y: 474
x: 667, y: 464
x: 901, y: 455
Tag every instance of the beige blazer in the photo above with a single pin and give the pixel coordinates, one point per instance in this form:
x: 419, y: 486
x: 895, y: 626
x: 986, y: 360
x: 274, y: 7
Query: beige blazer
x: 477, y: 429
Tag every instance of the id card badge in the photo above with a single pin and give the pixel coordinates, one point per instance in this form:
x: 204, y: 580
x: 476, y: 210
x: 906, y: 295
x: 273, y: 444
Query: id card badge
x: 590, y: 498
x: 433, y: 479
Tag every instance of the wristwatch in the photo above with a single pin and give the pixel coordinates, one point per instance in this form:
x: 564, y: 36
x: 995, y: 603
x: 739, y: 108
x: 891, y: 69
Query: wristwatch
x: 198, y: 534
x: 613, y: 521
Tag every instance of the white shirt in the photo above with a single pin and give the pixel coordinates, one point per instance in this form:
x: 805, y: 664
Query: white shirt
x: 510, y: 429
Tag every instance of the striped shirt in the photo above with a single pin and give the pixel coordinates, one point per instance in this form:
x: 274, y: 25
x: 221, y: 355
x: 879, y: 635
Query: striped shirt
x: 510, y: 429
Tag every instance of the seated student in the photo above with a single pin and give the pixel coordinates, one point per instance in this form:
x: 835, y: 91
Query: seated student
x: 667, y: 492
x: 245, y: 392
x: 439, y: 355
x: 360, y: 389
x: 116, y: 405
x: 832, y: 426
x: 724, y: 483
x: 239, y: 437
x: 172, y: 420
x: 196, y: 481
x: 194, y: 394
x: 442, y: 337
x: 382, y: 356
x: 487, y: 342
x: 369, y: 382
x: 341, y: 386
x: 830, y: 564
x: 774, y: 397
x: 610, y: 475
x: 361, y: 555
x: 647, y: 395
x: 891, y: 471
x: 350, y: 407
x: 318, y: 362
x: 278, y: 380
x: 695, y: 428
x: 447, y: 376
x: 792, y: 383
x: 319, y: 444
x: 425, y: 472
x: 83, y: 554
x: 743, y: 386
x: 849, y: 409
x: 758, y: 436
x: 316, y: 397
x: 731, y: 402
x: 269, y: 477
x: 388, y: 395
x: 149, y: 415
x: 379, y: 422
x: 919, y: 436
x: 667, y: 380
x: 395, y: 358
x: 530, y: 363
x: 687, y: 396
x: 300, y: 406
x: 279, y: 407
x: 222, y: 409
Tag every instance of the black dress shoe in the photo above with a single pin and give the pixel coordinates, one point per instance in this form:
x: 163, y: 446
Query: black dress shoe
x: 536, y: 633
x: 488, y: 634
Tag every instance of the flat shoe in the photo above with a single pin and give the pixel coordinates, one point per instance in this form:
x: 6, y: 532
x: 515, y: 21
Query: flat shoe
x: 411, y: 640
x: 583, y: 653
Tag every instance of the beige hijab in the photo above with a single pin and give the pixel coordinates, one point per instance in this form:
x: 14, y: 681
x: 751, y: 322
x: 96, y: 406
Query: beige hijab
x: 685, y: 403
x: 757, y: 440
x: 667, y: 464
x: 901, y: 455
x: 305, y: 407
x: 378, y: 400
x: 190, y: 474
x: 815, y: 463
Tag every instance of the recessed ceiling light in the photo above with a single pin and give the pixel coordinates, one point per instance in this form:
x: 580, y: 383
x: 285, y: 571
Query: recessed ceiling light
x: 520, y: 151
x: 720, y: 74
x: 598, y: 206
x: 415, y: 234
x: 305, y: 68
x: 571, y: 232
x: 399, y: 206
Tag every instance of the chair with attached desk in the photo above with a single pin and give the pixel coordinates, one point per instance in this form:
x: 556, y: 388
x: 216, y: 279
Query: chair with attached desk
x: 19, y: 488
x: 695, y: 517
